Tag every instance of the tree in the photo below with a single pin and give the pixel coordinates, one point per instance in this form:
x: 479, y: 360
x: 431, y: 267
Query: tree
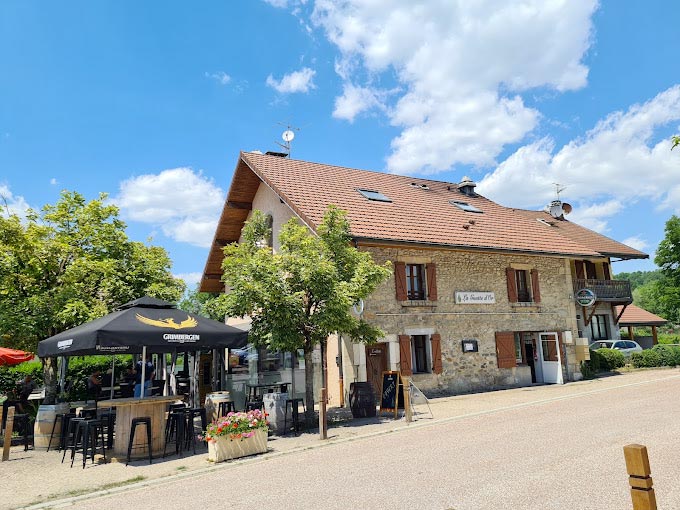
x: 69, y: 264
x: 668, y: 259
x: 303, y: 293
x: 676, y: 141
x: 200, y: 303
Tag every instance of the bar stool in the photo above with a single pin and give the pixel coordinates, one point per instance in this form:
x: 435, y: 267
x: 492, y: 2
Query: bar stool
x: 175, y: 427
x: 69, y: 439
x: 62, y: 418
x: 225, y: 407
x: 295, y: 414
x: 88, y: 433
x: 142, y: 420
x: 21, y: 426
x: 256, y: 404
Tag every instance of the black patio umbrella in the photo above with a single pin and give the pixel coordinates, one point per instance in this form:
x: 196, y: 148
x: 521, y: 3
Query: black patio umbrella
x: 145, y: 324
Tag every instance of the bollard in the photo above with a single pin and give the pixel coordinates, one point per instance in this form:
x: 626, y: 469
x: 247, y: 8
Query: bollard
x: 408, y: 413
x: 637, y: 464
x: 323, y: 426
x: 9, y: 428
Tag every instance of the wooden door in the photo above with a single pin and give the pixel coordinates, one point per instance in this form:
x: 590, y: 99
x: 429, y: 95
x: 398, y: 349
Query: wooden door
x: 376, y: 364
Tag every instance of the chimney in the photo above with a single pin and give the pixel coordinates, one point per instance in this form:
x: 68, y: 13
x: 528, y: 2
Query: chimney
x: 467, y: 187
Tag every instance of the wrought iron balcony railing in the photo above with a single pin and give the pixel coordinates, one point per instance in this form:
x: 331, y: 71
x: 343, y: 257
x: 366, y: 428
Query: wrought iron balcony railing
x: 616, y: 291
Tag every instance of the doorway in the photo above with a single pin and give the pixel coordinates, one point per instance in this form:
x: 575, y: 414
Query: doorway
x: 550, y: 358
x: 376, y: 364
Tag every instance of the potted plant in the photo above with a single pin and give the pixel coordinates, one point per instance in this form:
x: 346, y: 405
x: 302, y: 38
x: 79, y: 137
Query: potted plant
x: 236, y: 435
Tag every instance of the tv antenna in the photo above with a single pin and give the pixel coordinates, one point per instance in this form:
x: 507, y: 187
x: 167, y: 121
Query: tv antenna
x: 559, y: 188
x: 287, y: 136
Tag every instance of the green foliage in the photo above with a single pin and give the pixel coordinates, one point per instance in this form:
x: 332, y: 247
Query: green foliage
x: 668, y: 259
x: 667, y: 338
x: 640, y: 278
x: 69, y: 264
x: 10, y: 376
x: 81, y: 368
x: 200, y: 303
x: 658, y: 356
x: 611, y: 359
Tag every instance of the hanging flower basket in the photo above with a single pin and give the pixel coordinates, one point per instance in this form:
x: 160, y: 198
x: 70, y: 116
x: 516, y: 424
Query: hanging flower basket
x: 236, y: 435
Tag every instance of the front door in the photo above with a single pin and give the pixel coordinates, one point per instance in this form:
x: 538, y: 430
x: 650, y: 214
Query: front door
x: 550, y: 358
x: 376, y: 364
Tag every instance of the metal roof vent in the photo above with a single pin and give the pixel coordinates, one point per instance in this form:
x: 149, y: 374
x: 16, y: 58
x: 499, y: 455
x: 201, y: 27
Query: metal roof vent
x: 467, y: 187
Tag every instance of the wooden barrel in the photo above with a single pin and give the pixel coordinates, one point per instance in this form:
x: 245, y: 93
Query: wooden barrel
x: 212, y: 403
x: 43, y: 425
x: 361, y: 399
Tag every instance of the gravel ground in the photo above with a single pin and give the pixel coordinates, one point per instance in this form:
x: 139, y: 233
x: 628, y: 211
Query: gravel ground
x: 543, y: 447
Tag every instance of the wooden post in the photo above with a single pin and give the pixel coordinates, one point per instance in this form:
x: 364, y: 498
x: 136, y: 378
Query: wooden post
x: 407, y: 400
x: 9, y: 428
x: 631, y: 335
x: 641, y: 490
x: 323, y: 426
x: 655, y: 337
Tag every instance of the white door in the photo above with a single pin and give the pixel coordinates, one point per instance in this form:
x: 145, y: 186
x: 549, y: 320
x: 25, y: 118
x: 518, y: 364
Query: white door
x: 550, y: 358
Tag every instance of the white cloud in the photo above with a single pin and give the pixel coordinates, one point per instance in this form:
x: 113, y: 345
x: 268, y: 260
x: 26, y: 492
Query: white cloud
x: 462, y: 69
x: 9, y: 203
x: 221, y: 77
x: 593, y: 216
x: 297, y: 81
x: 191, y: 279
x: 183, y: 203
x: 636, y: 242
x: 616, y: 162
x: 280, y: 4
x: 54, y: 181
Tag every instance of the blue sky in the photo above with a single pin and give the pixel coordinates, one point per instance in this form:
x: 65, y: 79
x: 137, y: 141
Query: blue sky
x: 152, y: 101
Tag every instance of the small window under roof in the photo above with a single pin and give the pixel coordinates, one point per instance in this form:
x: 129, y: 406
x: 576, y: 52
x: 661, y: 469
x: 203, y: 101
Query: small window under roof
x: 465, y: 206
x: 374, y: 195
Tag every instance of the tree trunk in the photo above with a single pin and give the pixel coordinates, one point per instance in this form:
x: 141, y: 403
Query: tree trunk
x: 50, y: 380
x: 309, y: 387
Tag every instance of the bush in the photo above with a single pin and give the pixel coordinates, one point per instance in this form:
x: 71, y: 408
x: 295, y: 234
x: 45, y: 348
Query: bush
x: 10, y: 376
x: 611, y: 359
x: 81, y: 368
x: 646, y: 359
x: 670, y: 356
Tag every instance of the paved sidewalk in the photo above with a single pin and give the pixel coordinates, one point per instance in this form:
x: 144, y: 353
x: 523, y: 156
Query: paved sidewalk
x: 38, y: 477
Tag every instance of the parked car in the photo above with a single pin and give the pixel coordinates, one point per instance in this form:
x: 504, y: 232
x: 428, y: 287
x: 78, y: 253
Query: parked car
x: 627, y: 347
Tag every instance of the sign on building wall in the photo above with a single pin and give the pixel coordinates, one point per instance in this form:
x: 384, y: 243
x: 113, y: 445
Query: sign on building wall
x: 475, y: 298
x: 585, y: 297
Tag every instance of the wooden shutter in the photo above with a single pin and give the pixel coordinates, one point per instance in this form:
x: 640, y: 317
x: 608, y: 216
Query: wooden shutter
x: 607, y: 272
x: 580, y: 273
x: 535, y: 290
x: 400, y: 280
x: 405, y: 355
x: 512, y: 285
x: 505, y: 349
x: 436, y: 340
x: 431, y: 270
x: 591, y: 272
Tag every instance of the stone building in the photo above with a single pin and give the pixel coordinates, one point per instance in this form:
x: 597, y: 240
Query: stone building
x: 482, y: 296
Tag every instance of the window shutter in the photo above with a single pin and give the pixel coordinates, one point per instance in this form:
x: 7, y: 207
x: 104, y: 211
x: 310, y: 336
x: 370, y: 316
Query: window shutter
x: 436, y: 340
x: 591, y: 272
x: 505, y: 349
x: 607, y: 272
x: 431, y: 282
x: 512, y: 285
x: 535, y: 290
x: 405, y: 355
x: 580, y: 274
x: 400, y: 280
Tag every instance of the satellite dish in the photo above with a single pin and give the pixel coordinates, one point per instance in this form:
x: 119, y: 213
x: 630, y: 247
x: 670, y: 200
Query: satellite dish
x: 566, y: 208
x: 288, y: 136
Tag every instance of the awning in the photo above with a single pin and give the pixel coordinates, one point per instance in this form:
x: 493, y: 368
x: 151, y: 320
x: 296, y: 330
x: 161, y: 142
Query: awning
x: 14, y: 357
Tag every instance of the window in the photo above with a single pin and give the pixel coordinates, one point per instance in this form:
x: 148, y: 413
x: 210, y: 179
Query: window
x: 376, y: 196
x: 420, y: 354
x: 519, y: 355
x: 523, y: 286
x: 415, y: 281
x: 598, y: 327
x: 465, y: 206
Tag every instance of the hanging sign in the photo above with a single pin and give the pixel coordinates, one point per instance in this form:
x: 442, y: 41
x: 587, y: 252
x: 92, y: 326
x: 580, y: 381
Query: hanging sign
x: 391, y: 393
x: 585, y: 297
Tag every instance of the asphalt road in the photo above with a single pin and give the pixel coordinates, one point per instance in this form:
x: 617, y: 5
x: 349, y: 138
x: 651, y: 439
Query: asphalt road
x: 565, y: 453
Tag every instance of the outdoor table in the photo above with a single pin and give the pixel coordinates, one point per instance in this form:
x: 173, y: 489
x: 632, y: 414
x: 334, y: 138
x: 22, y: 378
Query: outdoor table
x: 129, y: 408
x: 254, y: 389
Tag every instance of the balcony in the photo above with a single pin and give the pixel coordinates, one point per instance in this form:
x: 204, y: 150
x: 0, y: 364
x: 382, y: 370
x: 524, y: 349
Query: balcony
x: 612, y: 291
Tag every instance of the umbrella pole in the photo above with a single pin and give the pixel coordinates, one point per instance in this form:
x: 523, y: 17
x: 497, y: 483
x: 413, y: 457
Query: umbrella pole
x: 113, y: 374
x: 141, y: 393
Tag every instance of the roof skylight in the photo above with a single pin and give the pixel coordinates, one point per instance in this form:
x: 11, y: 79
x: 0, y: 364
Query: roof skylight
x: 376, y: 196
x: 465, y: 206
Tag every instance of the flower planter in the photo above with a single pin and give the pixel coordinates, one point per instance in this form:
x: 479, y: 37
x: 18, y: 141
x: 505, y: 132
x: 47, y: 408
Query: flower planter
x: 223, y: 448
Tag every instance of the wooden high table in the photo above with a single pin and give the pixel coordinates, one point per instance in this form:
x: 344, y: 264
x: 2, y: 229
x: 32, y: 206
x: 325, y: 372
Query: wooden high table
x: 129, y: 408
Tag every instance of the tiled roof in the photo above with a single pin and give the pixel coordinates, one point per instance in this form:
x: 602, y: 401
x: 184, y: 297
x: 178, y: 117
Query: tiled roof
x: 420, y: 214
x: 636, y: 316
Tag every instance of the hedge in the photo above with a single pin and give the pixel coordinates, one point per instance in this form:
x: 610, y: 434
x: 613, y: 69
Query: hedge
x: 657, y: 356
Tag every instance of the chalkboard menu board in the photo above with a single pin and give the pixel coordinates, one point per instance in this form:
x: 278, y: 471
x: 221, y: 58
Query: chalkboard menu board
x: 391, y: 393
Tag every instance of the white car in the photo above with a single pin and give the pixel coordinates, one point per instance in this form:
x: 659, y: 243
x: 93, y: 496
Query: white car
x: 627, y: 347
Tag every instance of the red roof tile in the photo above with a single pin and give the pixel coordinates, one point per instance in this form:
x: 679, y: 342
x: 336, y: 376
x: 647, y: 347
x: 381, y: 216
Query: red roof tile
x: 636, y: 316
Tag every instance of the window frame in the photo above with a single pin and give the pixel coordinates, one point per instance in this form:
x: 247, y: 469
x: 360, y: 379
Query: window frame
x: 523, y: 286
x: 416, y: 282
x: 599, y: 320
x: 374, y: 195
x: 425, y: 351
